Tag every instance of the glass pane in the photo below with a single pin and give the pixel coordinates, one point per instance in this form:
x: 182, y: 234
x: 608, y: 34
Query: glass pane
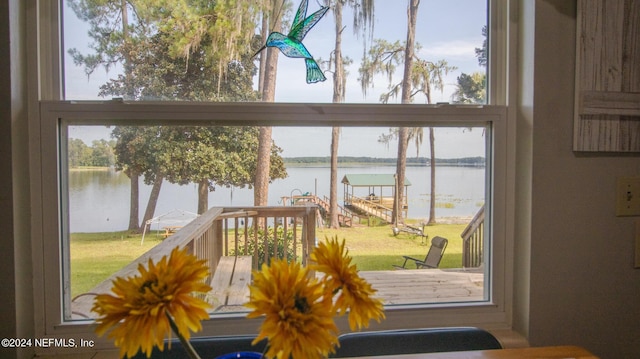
x: 186, y: 51
x: 103, y: 237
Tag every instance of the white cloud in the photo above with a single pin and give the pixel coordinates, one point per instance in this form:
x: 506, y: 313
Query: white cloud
x: 457, y: 49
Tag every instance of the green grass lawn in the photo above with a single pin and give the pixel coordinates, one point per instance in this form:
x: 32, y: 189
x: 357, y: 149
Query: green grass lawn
x: 96, y: 256
x: 376, y: 248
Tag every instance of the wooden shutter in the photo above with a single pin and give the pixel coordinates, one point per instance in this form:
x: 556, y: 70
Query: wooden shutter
x: 607, y: 105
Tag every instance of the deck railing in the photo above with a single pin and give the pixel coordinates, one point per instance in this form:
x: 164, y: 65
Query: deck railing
x: 266, y: 232
x: 262, y: 232
x: 345, y: 216
x: 473, y: 241
x: 372, y: 207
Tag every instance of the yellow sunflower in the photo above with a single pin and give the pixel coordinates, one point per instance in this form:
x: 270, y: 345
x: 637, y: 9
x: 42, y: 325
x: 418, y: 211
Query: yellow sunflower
x: 355, y: 293
x: 298, y: 320
x: 139, y: 307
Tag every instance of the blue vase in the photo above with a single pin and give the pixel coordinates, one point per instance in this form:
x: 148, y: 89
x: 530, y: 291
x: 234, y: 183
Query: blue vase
x: 241, y: 355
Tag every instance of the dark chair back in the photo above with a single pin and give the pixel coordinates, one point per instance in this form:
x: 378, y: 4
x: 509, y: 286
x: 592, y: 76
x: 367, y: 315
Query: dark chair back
x: 413, y: 341
x: 436, y: 251
x: 207, y: 347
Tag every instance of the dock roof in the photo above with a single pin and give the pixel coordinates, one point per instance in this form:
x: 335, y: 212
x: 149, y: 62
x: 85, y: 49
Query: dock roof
x: 367, y: 180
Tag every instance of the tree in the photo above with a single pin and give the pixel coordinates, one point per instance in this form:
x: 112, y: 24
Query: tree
x: 131, y: 157
x: 471, y: 88
x: 184, y: 78
x: 137, y: 152
x: 481, y: 53
x: 224, y: 30
x: 215, y: 156
x: 268, y: 71
x: 418, y: 78
x: 102, y: 153
x: 403, y: 134
x: 220, y: 32
x: 427, y: 75
x: 384, y: 57
x: 168, y: 53
x: 363, y: 18
x: 114, y: 38
x: 79, y: 154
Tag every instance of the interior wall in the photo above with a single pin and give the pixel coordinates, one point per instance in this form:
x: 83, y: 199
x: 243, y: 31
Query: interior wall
x: 584, y: 289
x: 20, y: 173
x: 7, y: 267
x: 525, y: 99
x: 16, y: 314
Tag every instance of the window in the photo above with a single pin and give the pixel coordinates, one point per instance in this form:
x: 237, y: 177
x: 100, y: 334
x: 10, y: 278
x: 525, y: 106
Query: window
x: 302, y: 129
x: 167, y: 54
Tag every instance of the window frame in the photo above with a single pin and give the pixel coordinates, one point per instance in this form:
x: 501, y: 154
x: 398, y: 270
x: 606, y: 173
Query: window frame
x: 45, y: 159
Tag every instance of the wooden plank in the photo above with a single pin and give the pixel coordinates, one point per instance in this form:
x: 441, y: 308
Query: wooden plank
x: 426, y: 286
x: 239, y: 288
x: 230, y: 282
x: 610, y: 103
x: 221, y: 281
x: 637, y: 249
x: 631, y: 47
x: 393, y: 287
x: 376, y: 211
x: 607, y: 86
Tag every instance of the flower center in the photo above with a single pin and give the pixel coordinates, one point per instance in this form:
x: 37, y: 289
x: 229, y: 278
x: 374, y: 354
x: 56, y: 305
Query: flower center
x: 301, y: 304
x: 151, y: 286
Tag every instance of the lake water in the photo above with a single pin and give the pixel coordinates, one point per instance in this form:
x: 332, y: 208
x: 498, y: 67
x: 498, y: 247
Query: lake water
x: 99, y: 200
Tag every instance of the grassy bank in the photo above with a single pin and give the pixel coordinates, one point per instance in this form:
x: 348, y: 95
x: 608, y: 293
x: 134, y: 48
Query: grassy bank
x: 376, y: 248
x: 96, y: 256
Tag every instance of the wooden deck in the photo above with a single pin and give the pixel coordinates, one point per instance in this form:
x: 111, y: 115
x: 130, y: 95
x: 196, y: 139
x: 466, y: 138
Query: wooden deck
x: 426, y: 285
x: 230, y: 282
x: 411, y: 286
x: 376, y: 206
x: 394, y: 287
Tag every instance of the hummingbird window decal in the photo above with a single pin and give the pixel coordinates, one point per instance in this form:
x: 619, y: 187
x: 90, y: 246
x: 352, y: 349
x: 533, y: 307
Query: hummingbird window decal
x: 291, y: 44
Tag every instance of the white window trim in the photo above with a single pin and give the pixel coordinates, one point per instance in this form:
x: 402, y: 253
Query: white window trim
x: 46, y: 205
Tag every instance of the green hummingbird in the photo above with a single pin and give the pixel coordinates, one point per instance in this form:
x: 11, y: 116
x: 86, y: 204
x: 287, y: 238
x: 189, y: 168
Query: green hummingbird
x: 291, y: 44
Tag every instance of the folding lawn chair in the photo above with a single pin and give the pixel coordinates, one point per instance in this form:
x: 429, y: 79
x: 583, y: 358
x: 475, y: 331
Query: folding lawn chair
x: 432, y: 260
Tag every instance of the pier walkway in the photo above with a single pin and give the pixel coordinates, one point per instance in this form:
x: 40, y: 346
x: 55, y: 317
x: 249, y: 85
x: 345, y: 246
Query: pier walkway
x: 346, y: 218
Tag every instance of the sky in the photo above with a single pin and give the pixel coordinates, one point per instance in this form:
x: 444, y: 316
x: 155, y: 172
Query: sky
x: 447, y: 29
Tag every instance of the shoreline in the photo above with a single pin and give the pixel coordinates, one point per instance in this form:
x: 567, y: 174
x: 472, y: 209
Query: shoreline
x: 412, y: 221
x: 442, y: 220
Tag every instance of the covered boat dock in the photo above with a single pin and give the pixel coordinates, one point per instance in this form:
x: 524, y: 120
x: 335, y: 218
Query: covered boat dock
x: 373, y: 194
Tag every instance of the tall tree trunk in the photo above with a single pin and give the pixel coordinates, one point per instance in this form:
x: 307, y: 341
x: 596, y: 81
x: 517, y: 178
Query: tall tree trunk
x: 263, y: 59
x: 338, y: 97
x: 153, y: 199
x: 203, y: 196
x: 134, y: 216
x: 432, y: 167
x: 432, y: 201
x: 261, y: 184
x: 403, y: 137
x: 333, y: 185
x: 401, y: 165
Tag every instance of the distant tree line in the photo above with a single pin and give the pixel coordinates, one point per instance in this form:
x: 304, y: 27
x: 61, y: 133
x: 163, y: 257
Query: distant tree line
x: 411, y: 161
x: 99, y: 154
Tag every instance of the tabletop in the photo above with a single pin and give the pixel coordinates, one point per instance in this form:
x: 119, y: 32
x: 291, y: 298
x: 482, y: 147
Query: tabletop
x: 553, y: 352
